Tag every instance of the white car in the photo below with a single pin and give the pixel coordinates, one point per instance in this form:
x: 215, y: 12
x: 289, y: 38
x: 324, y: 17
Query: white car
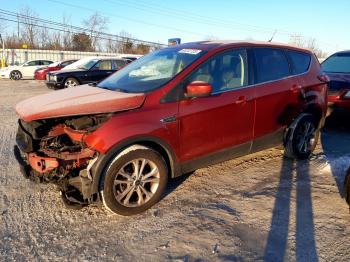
x: 25, y: 70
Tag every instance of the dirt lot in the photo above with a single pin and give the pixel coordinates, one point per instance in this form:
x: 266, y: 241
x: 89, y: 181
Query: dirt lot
x: 259, y: 207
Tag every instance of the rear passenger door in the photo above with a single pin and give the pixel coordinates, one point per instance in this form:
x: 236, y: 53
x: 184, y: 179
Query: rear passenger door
x: 277, y: 94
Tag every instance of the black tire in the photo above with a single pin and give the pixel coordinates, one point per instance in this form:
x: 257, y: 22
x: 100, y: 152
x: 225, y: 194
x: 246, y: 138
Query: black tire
x: 110, y: 191
x: 70, y: 82
x: 299, y: 134
x: 15, y: 75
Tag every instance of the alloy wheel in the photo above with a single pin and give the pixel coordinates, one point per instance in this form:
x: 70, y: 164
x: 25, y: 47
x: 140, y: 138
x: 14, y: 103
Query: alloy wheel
x: 136, y: 182
x: 70, y: 83
x: 15, y: 75
x: 305, y: 137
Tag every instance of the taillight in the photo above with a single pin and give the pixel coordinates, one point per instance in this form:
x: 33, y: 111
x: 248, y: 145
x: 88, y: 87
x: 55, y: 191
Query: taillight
x: 324, y: 78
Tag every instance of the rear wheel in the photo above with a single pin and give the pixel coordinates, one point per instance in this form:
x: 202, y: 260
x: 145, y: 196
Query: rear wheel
x: 71, y: 82
x: 302, y: 139
x: 134, y: 181
x: 15, y: 75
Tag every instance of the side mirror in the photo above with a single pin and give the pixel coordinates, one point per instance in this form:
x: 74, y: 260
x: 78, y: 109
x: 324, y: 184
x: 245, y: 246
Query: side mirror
x: 198, y: 89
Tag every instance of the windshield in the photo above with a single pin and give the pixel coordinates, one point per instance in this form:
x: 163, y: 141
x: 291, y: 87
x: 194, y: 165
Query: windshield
x: 337, y: 63
x: 87, y: 65
x: 151, y: 71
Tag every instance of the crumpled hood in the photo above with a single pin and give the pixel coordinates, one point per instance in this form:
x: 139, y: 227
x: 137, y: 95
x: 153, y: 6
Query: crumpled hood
x: 80, y: 100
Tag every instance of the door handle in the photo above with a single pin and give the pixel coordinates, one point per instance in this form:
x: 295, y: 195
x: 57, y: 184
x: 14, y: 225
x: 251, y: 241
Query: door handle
x: 241, y: 100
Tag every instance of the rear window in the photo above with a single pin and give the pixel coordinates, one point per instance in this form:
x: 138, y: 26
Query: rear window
x: 300, y: 61
x: 271, y: 64
x: 337, y: 63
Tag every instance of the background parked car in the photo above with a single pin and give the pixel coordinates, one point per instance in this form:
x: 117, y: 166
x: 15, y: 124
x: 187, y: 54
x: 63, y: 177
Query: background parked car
x: 337, y: 67
x: 40, y: 74
x: 25, y: 70
x: 93, y: 70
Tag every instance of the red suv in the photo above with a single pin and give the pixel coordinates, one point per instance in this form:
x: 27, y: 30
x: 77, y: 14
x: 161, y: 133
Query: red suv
x: 169, y: 113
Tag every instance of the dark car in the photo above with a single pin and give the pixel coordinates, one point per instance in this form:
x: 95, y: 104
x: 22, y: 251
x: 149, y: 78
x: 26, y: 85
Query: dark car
x: 40, y: 74
x: 337, y: 67
x: 169, y: 113
x: 92, y: 71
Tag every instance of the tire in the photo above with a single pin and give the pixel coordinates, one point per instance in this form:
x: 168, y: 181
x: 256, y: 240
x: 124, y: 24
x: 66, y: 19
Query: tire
x: 71, y: 82
x: 302, y: 138
x: 125, y: 192
x: 15, y: 75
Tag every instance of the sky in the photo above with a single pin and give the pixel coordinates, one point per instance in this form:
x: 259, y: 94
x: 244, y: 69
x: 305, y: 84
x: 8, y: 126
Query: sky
x: 194, y: 20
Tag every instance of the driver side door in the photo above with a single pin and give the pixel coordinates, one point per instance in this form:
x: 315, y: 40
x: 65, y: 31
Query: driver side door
x: 218, y: 127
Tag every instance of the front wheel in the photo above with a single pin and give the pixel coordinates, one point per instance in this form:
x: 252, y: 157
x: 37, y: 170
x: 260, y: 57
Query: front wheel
x: 134, y: 181
x: 302, y: 139
x: 71, y: 82
x: 15, y: 75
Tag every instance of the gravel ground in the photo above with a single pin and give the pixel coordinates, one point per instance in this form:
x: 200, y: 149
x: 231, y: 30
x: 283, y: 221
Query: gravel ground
x: 258, y: 207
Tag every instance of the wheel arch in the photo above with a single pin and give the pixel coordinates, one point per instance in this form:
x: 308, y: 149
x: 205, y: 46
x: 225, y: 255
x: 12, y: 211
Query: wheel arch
x: 154, y: 143
x: 16, y: 70
x: 317, y: 112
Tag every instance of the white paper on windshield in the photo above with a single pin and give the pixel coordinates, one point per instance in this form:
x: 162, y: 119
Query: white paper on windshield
x: 190, y: 51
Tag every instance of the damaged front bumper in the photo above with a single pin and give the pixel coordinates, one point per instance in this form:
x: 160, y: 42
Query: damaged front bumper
x: 60, y: 157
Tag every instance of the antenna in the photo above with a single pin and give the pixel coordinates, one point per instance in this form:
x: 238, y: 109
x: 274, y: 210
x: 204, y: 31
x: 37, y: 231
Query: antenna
x: 273, y: 35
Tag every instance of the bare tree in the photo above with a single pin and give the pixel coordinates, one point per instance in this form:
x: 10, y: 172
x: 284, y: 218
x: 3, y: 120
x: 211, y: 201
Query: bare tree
x: 67, y: 34
x: 309, y: 43
x: 127, y: 45
x: 96, y: 24
x: 29, y: 26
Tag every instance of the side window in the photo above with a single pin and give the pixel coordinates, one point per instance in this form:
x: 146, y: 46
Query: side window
x: 64, y: 64
x: 300, y: 61
x: 118, y: 64
x: 45, y: 62
x: 33, y: 63
x: 272, y: 64
x: 103, y: 65
x: 225, y: 71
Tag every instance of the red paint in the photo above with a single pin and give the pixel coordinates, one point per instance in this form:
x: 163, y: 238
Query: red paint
x: 62, y: 129
x: 80, y: 100
x: 42, y: 164
x: 198, y: 89
x: 41, y: 74
x: 198, y: 126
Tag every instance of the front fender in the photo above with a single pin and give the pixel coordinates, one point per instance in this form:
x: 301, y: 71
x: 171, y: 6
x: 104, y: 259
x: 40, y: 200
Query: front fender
x: 103, y: 160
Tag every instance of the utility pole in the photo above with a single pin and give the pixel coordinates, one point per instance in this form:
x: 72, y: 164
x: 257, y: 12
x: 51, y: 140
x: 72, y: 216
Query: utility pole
x: 17, y: 27
x: 3, y: 52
